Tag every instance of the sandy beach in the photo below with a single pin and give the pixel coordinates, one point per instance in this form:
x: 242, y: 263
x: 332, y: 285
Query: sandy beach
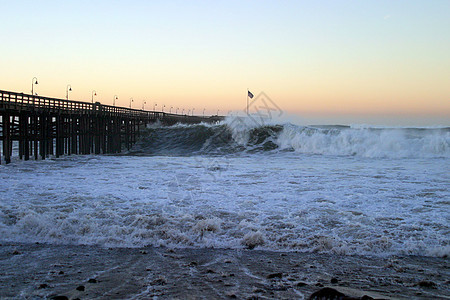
x: 35, y: 271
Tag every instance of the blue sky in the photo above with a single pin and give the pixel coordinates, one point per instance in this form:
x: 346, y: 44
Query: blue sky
x: 316, y: 59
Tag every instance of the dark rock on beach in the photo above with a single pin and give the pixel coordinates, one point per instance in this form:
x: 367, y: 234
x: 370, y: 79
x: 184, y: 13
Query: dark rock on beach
x: 332, y: 294
x: 427, y: 284
x: 327, y: 294
x: 59, y: 298
x: 275, y: 275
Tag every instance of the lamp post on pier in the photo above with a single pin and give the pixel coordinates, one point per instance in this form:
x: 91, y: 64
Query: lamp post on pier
x: 170, y: 110
x: 94, y: 93
x: 217, y: 112
x: 177, y: 111
x: 114, y: 100
x: 182, y: 112
x: 68, y: 89
x: 154, y: 107
x: 143, y: 104
x: 193, y: 111
x: 189, y: 111
x: 163, y: 107
x: 204, y: 112
x: 33, y: 82
x: 131, y: 101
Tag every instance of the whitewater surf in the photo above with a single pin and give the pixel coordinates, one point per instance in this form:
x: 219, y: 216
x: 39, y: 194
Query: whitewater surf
x: 332, y: 189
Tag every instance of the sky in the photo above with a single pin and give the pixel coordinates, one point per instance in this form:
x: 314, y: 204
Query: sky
x: 328, y: 62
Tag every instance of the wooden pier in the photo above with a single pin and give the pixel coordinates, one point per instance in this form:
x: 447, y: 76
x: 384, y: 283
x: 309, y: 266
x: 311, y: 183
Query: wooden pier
x: 45, y: 126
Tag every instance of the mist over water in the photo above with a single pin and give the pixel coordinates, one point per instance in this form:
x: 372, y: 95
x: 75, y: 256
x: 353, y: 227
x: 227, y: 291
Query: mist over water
x: 332, y: 189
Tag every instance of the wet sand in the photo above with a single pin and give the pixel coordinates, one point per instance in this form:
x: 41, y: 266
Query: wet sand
x: 88, y: 272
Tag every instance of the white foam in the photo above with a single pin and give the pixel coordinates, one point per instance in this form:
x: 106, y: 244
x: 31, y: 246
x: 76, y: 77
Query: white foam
x: 253, y: 239
x: 275, y: 201
x: 366, y: 142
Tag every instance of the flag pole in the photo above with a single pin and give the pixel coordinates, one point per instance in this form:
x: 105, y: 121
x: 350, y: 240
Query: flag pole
x: 247, y: 101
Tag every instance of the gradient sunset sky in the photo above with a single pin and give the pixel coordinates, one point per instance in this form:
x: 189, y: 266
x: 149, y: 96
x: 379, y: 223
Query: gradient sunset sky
x: 328, y: 62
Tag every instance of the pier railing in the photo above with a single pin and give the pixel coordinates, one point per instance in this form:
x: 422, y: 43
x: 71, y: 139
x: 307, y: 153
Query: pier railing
x: 24, y: 102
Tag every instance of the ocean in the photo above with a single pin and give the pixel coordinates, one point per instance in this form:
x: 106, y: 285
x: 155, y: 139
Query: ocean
x: 346, y: 190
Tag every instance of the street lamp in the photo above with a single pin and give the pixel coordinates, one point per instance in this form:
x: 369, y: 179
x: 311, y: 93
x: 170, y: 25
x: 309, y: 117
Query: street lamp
x: 94, y: 93
x: 33, y: 82
x: 154, y: 107
x: 189, y: 111
x: 170, y: 110
x: 203, y: 112
x: 131, y: 101
x: 163, y: 107
x: 114, y: 100
x: 143, y: 104
x: 177, y: 111
x: 182, y: 112
x: 68, y: 89
x: 193, y: 111
x: 217, y: 112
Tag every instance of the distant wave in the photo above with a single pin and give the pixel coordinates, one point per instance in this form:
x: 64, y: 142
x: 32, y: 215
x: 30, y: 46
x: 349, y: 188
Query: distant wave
x: 236, y: 135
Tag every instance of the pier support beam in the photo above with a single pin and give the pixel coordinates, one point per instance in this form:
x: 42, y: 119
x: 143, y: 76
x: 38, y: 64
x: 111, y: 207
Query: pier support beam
x: 7, y: 138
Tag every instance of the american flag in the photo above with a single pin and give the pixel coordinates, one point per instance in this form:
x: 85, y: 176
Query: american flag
x: 250, y: 95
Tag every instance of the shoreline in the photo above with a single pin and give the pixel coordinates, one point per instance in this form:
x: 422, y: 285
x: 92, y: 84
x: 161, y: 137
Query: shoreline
x: 93, y: 272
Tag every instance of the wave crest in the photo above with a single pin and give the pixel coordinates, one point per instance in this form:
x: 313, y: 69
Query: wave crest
x: 239, y: 135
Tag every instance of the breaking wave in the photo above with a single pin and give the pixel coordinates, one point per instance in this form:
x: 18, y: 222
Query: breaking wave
x: 236, y: 135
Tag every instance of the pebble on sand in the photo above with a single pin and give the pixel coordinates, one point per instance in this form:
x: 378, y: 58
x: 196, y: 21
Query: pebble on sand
x: 60, y: 298
x: 275, y: 275
x: 326, y: 293
x: 427, y: 284
x: 329, y: 293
